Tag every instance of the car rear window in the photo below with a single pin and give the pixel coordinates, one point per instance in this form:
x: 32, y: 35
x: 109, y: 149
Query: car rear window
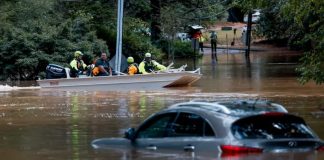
x: 244, y: 107
x: 271, y: 127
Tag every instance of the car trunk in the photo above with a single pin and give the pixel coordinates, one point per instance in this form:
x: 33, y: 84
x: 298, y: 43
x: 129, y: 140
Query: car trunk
x: 283, y: 145
x: 290, y: 145
x: 275, y: 132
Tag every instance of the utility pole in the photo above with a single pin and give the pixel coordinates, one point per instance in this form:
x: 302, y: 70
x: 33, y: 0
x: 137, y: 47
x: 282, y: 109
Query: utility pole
x: 156, y: 21
x: 119, y: 41
x: 248, y: 35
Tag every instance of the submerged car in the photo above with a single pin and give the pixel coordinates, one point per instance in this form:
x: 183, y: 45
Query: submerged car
x: 234, y: 127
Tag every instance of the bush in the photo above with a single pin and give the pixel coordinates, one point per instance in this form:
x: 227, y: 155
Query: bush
x: 180, y: 49
x: 135, y: 42
x: 34, y: 35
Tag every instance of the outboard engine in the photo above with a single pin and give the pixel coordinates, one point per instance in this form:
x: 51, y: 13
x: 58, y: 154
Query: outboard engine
x: 54, y: 71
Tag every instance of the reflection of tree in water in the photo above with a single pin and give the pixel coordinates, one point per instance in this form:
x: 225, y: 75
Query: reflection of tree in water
x: 75, y: 132
x: 147, y: 102
x: 133, y: 102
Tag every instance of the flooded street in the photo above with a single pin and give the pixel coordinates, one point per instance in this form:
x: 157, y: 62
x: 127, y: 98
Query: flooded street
x: 56, y: 124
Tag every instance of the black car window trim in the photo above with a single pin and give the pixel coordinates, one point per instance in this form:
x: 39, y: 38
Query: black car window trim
x: 206, y: 121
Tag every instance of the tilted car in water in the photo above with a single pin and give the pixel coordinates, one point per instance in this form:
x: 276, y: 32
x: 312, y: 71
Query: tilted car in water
x: 221, y: 127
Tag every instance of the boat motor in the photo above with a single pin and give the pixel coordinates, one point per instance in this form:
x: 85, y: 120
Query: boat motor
x: 54, y: 71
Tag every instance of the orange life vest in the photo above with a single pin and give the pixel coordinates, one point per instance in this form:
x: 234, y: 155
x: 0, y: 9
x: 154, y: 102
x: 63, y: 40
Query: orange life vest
x: 95, y: 71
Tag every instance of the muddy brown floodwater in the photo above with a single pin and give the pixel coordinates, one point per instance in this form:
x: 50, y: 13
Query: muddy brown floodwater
x: 56, y: 124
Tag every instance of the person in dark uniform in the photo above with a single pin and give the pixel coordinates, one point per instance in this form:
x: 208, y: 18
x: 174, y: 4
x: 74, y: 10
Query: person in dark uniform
x: 213, y: 43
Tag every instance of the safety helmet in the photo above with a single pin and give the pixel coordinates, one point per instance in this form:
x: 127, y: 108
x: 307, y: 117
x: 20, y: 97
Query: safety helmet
x: 78, y: 53
x: 130, y: 60
x: 148, y: 55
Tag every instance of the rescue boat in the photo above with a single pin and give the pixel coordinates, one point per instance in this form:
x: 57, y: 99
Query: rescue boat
x: 169, y: 78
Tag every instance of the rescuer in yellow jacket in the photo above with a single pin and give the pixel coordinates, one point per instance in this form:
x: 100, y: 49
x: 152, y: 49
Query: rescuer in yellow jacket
x: 77, y: 65
x: 132, y: 67
x: 148, y: 65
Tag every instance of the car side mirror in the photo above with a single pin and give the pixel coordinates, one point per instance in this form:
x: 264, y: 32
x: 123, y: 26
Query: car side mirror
x: 130, y: 134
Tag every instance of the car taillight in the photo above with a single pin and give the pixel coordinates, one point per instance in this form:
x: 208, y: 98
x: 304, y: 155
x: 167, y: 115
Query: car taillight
x: 321, y: 148
x: 230, y: 149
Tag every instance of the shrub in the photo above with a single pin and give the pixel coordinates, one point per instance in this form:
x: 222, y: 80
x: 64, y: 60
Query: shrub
x: 179, y: 48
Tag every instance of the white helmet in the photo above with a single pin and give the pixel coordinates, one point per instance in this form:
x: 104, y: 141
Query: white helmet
x: 148, y: 55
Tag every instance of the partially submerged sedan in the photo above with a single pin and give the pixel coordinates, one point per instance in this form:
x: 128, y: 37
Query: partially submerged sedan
x: 220, y: 127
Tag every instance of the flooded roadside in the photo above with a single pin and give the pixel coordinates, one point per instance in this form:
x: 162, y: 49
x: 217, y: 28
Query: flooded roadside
x: 61, y: 125
x: 57, y: 124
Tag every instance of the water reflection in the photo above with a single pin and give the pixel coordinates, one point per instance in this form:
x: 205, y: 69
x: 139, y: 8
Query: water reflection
x: 62, y: 124
x: 57, y: 124
x: 75, y: 131
x: 283, y: 156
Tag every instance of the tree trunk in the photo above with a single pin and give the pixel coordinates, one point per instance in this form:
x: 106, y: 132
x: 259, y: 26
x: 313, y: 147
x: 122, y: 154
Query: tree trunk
x: 155, y: 21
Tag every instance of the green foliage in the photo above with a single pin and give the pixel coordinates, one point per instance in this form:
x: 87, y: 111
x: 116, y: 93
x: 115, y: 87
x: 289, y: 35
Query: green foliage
x: 248, y: 5
x: 35, y: 35
x: 177, y: 16
x: 136, y: 39
x: 169, y: 23
x: 180, y: 49
x: 312, y: 67
x: 136, y: 33
x: 300, y: 24
x: 138, y: 8
x: 183, y: 49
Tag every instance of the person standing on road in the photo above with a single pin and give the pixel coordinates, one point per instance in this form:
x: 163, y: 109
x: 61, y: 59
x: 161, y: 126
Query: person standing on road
x: 201, y: 40
x: 213, y: 42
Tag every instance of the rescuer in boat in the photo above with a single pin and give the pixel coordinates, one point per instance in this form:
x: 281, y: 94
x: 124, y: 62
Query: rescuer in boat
x: 148, y: 65
x: 132, y: 67
x: 78, y: 67
x: 102, y: 67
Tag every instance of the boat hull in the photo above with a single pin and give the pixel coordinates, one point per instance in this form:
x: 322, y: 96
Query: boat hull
x: 135, y: 82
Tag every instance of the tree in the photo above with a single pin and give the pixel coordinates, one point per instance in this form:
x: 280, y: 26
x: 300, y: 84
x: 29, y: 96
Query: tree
x: 309, y: 26
x: 34, y: 34
x: 300, y: 25
x: 177, y: 16
x: 155, y: 20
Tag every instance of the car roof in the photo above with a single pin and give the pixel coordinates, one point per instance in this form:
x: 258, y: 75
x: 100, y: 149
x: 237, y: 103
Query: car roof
x: 237, y: 108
